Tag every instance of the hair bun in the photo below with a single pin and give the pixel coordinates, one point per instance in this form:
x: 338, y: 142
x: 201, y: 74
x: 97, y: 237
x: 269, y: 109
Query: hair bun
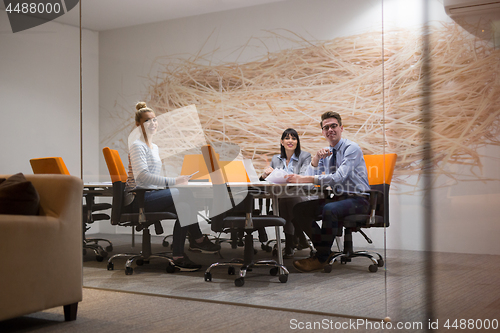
x: 140, y: 105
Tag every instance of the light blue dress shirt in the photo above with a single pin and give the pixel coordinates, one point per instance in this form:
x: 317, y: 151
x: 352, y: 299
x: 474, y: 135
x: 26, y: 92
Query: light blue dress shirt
x: 289, y: 168
x: 351, y: 176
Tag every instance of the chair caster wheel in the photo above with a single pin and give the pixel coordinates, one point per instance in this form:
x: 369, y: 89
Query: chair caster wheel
x: 327, y: 268
x: 110, y: 266
x: 165, y: 243
x: 283, y: 278
x: 273, y: 271
x: 381, y: 263
x: 139, y: 262
x: 239, y: 282
x: 99, y: 258
x: 170, y: 268
x: 129, y: 270
x: 373, y: 268
x: 231, y: 270
x: 208, y: 277
x: 109, y: 248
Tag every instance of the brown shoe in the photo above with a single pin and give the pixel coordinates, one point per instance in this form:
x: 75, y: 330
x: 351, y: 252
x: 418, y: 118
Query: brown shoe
x: 310, y: 264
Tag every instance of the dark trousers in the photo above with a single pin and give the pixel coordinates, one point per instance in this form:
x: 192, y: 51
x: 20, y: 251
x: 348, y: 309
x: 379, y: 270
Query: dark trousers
x: 332, y: 213
x: 162, y: 201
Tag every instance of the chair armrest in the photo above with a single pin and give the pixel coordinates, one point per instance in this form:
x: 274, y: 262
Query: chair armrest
x: 373, y: 205
x: 140, y: 194
x: 57, y: 192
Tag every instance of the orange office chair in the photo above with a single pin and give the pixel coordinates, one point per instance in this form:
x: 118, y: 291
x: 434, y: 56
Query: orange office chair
x: 238, y: 217
x: 234, y: 171
x: 380, y: 170
x: 140, y: 220
x: 56, y: 165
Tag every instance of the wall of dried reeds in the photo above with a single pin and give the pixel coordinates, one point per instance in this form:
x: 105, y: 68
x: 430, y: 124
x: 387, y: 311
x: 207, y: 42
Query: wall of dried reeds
x: 250, y: 104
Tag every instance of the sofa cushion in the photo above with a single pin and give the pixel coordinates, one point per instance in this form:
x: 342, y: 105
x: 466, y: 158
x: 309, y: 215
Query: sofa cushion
x: 18, y: 196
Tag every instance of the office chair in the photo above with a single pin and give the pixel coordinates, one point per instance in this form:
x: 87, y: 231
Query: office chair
x: 192, y: 163
x: 301, y: 244
x: 234, y: 171
x: 239, y: 217
x: 56, y: 165
x: 140, y: 220
x: 380, y: 170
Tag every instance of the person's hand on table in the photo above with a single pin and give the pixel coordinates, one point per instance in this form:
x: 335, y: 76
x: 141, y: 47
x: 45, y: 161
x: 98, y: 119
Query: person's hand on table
x: 293, y: 178
x: 182, y: 180
x: 267, y: 172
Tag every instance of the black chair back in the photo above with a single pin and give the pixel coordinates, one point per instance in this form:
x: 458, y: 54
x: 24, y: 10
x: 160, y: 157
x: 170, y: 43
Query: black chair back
x: 382, y: 206
x: 117, y: 205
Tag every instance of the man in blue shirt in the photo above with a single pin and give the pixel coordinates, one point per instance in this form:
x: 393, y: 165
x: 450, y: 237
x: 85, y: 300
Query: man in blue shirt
x: 340, y: 166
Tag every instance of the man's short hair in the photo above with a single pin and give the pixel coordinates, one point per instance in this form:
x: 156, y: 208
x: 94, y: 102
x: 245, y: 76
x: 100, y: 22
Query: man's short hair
x: 330, y: 114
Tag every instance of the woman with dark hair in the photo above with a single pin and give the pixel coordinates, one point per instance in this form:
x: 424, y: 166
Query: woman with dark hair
x: 293, y: 160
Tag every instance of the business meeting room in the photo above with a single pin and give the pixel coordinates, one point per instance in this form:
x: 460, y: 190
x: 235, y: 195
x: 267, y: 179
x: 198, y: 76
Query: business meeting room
x: 250, y: 165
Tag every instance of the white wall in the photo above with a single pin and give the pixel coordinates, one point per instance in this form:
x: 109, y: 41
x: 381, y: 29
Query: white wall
x: 40, y: 94
x: 127, y: 61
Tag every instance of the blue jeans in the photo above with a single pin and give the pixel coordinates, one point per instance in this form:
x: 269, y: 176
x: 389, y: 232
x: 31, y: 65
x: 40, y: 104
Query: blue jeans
x: 332, y: 213
x: 162, y: 201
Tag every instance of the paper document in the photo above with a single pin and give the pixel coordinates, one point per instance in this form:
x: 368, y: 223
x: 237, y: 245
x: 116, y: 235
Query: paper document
x: 277, y: 176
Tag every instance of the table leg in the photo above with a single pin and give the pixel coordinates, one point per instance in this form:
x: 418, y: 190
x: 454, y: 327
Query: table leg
x: 278, y: 232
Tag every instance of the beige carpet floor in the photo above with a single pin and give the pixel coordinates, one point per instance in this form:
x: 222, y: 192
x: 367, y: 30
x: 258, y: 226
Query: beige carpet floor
x: 466, y: 286
x: 110, y: 312
x: 151, y: 300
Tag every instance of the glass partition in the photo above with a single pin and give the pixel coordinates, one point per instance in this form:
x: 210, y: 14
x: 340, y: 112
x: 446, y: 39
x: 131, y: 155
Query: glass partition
x: 416, y: 78
x: 251, y: 73
x: 406, y: 78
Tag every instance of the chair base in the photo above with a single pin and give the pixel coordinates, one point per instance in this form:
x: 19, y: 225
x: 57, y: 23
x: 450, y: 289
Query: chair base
x: 274, y: 249
x: 108, y: 248
x: 140, y: 260
x: 100, y: 253
x: 376, y: 258
x: 348, y: 253
x: 143, y: 257
x: 165, y: 242
x: 247, y: 264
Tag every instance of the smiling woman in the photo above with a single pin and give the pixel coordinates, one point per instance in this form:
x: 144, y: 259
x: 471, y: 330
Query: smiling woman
x: 294, y: 161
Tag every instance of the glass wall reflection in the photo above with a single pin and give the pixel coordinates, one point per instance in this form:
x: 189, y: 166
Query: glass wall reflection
x: 253, y: 72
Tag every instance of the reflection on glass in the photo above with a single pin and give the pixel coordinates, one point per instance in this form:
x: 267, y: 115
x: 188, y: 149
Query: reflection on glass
x: 251, y: 76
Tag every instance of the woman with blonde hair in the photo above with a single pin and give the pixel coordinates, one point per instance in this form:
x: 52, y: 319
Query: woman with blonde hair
x: 145, y: 171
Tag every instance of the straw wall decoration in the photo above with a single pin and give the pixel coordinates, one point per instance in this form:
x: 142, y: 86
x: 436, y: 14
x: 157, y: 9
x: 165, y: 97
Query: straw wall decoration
x: 250, y: 104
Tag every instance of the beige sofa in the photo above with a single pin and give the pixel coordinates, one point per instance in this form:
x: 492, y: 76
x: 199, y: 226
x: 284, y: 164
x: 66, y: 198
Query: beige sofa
x: 41, y: 265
